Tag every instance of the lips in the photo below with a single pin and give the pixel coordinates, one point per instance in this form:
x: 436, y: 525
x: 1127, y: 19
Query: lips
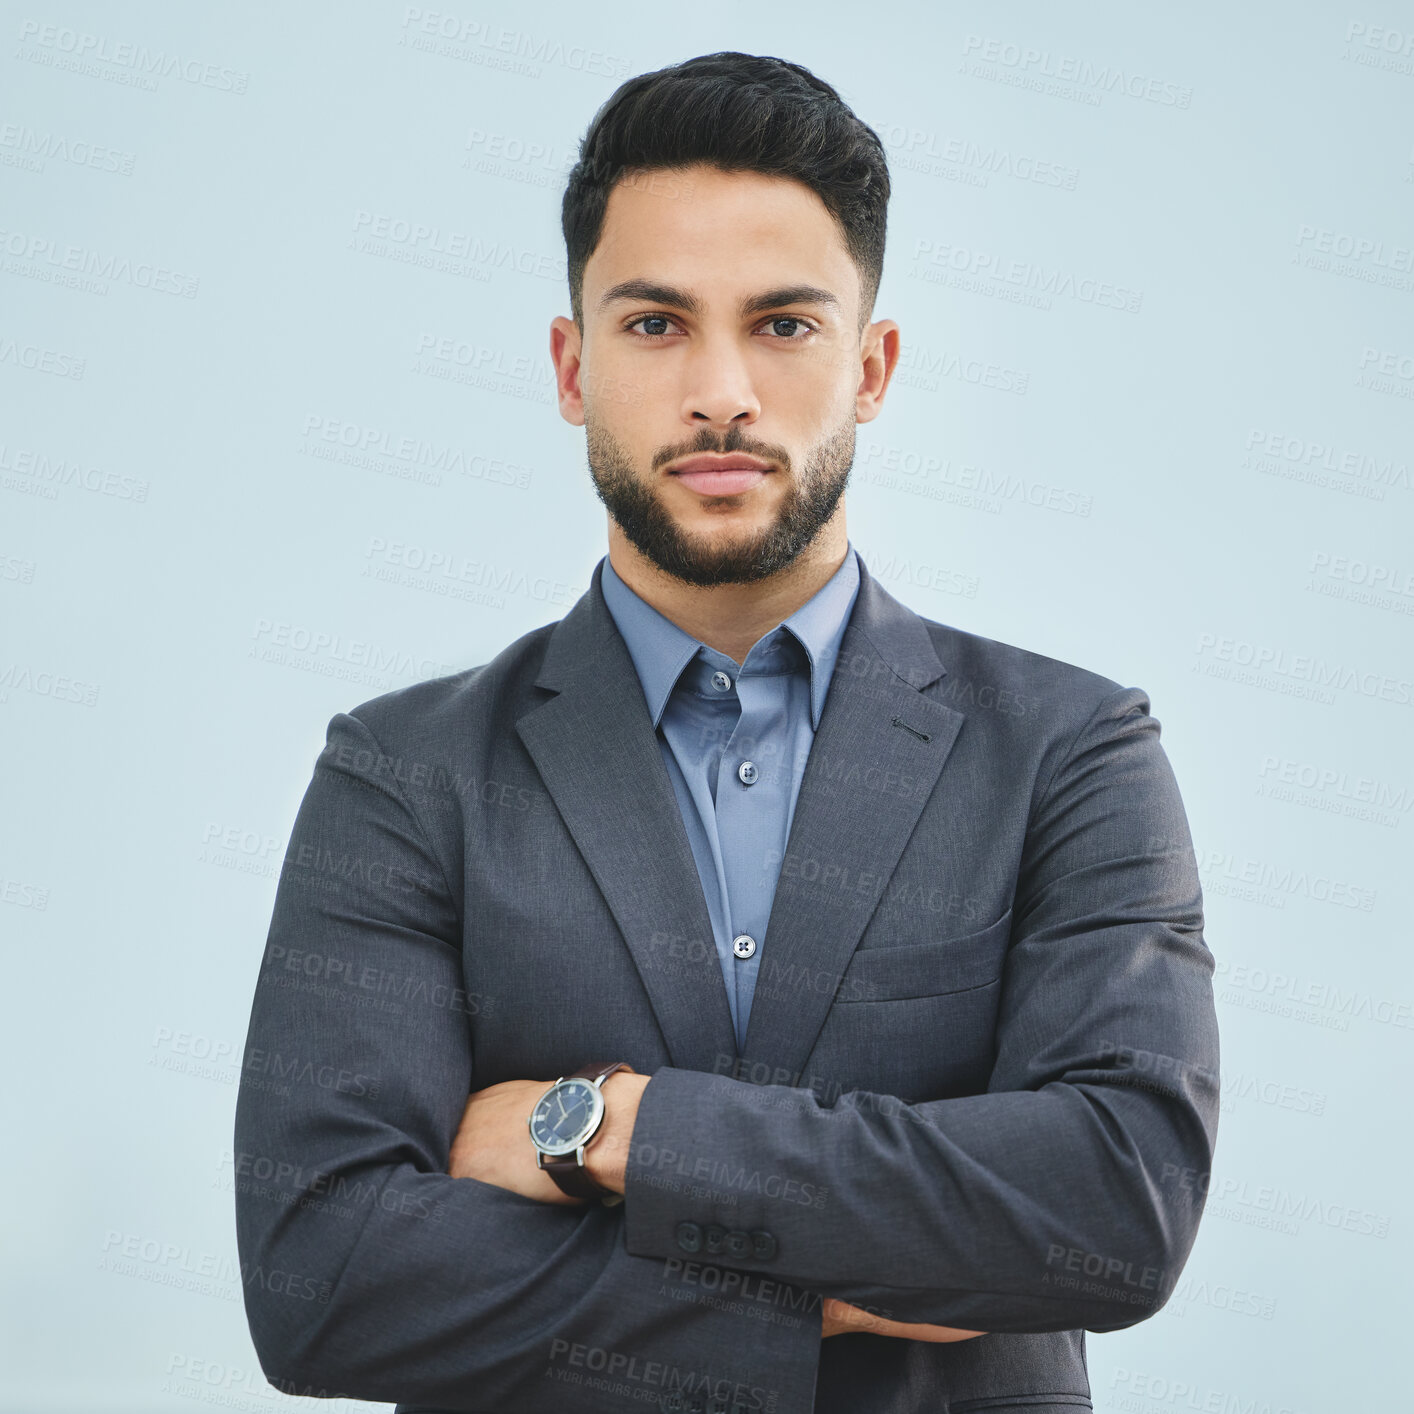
x: 720, y: 476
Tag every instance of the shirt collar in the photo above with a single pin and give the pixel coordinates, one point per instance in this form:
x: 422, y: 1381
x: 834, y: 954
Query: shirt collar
x: 661, y: 650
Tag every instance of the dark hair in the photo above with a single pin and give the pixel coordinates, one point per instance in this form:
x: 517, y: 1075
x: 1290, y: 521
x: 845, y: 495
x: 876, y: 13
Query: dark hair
x: 738, y: 112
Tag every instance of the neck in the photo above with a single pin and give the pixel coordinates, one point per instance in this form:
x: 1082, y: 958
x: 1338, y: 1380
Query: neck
x: 731, y: 617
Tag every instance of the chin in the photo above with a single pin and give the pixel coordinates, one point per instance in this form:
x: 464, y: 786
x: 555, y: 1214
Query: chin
x: 718, y: 536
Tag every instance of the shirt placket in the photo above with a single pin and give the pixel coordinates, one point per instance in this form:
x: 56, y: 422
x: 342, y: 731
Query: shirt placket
x: 751, y: 807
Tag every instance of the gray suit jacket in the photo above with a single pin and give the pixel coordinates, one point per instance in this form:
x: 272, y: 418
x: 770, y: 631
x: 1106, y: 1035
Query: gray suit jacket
x: 979, y: 1086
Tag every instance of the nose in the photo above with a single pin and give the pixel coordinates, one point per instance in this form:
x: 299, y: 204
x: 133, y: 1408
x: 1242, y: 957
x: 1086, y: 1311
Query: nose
x: 719, y: 389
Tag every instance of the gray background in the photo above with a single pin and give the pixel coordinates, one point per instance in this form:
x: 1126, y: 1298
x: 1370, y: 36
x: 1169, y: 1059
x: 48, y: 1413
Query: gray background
x: 240, y: 491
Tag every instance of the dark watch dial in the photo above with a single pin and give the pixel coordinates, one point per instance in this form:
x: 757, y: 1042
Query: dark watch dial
x: 565, y: 1115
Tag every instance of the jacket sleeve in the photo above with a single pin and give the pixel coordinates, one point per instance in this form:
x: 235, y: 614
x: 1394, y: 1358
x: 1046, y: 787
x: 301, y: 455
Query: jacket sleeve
x: 368, y: 1270
x: 1068, y: 1195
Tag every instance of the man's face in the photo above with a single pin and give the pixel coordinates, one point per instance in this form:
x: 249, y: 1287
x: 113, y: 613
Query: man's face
x: 721, y: 316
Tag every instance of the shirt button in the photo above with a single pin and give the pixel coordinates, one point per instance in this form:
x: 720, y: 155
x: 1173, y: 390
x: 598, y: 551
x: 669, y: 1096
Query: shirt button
x: 722, y: 682
x: 747, y: 772
x: 743, y: 945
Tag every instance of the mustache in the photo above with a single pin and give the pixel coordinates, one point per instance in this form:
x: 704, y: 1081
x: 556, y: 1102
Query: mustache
x: 735, y: 440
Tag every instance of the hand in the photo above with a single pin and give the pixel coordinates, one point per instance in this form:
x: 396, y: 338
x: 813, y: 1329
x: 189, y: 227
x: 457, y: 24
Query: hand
x: 840, y: 1318
x: 493, y: 1144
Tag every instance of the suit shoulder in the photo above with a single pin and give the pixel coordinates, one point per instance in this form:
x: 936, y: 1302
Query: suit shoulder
x: 1019, y: 682
x: 439, y: 707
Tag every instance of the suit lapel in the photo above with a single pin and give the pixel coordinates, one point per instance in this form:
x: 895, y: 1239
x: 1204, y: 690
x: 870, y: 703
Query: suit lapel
x: 595, y: 748
x: 875, y: 760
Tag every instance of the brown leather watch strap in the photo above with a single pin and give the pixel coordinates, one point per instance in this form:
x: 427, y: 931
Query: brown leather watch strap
x: 566, y: 1169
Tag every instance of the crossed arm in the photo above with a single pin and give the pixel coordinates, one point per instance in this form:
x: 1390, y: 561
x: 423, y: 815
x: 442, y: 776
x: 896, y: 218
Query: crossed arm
x: 492, y: 1144
x: 446, y: 1283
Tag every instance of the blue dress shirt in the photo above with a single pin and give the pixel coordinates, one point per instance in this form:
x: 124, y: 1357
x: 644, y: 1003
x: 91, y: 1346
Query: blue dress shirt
x: 735, y: 742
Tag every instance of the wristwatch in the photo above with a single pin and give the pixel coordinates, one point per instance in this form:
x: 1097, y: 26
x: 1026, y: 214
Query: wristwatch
x: 566, y: 1117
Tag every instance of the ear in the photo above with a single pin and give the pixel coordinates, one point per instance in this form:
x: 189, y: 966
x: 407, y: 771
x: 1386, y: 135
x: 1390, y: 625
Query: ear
x: 565, y: 348
x: 879, y: 351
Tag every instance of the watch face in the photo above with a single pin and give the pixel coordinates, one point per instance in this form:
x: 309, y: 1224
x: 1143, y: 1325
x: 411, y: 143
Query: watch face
x: 565, y: 1116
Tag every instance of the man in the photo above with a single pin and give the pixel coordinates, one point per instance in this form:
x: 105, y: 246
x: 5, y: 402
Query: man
x: 875, y: 946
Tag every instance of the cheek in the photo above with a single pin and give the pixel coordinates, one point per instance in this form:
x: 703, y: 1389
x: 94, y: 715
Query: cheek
x: 809, y: 393
x: 616, y: 420
x: 620, y: 391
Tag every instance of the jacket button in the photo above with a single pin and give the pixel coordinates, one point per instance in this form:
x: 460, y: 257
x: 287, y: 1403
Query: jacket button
x: 689, y: 1237
x: 763, y: 1245
x: 714, y: 1237
x: 738, y: 1243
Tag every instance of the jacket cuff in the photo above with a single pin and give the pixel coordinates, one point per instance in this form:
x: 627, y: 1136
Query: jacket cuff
x: 707, y: 1176
x: 688, y: 1203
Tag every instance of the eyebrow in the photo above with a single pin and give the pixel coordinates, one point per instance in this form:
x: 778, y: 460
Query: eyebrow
x: 651, y: 292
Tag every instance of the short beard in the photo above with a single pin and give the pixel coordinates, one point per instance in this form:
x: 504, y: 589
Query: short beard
x: 639, y: 511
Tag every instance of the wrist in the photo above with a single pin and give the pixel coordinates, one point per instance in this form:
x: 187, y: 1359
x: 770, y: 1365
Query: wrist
x: 606, y: 1154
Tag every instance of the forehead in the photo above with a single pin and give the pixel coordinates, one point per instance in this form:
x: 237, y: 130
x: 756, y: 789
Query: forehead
x: 725, y: 232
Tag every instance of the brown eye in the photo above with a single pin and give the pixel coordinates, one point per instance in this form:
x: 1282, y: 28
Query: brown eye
x: 651, y: 319
x: 791, y: 336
